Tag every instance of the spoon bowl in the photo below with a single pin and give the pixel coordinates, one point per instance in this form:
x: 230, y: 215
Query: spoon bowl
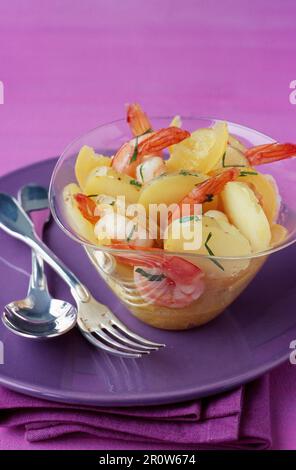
x: 38, y: 315
x: 39, y: 331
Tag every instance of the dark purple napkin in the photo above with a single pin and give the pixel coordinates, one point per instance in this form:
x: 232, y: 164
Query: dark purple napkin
x: 237, y: 419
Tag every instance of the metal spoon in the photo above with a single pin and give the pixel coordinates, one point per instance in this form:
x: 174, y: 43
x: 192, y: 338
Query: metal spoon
x: 96, y: 321
x: 38, y: 315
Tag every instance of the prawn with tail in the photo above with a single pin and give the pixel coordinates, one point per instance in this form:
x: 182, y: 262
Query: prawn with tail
x: 166, y: 281
x: 137, y: 120
x: 269, y: 153
x: 204, y: 192
x: 142, y: 157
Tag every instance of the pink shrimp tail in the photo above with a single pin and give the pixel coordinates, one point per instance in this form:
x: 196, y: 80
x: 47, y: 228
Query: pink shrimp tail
x: 148, y: 258
x: 211, y: 187
x: 203, y: 192
x: 269, y: 153
x: 161, y: 139
x: 137, y: 120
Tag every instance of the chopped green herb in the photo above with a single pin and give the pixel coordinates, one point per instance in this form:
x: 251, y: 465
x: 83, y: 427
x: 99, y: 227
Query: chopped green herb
x: 188, y: 218
x: 229, y: 166
x: 150, y: 277
x: 211, y: 252
x: 141, y: 172
x: 135, y: 153
x: 148, y: 131
x: 129, y: 237
x: 209, y: 197
x: 96, y: 195
x: 188, y: 173
x: 245, y: 173
x: 135, y: 183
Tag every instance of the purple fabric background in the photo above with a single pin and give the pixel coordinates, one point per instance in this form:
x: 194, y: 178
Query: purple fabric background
x: 68, y: 65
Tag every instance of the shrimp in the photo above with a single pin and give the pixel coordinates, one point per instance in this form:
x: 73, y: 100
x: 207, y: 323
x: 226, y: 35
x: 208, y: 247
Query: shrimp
x: 138, y: 120
x: 269, y: 153
x: 150, y: 169
x: 133, y: 152
x: 118, y: 227
x: 204, y: 192
x: 166, y: 281
x: 87, y: 207
x: 157, y: 141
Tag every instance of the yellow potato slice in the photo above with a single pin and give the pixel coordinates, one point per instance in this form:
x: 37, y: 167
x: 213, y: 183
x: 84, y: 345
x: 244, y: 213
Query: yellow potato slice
x: 244, y: 211
x: 104, y: 180
x: 176, y: 121
x: 233, y: 157
x: 217, y: 215
x: 169, y: 188
x: 220, y: 238
x: 266, y: 189
x: 75, y: 219
x: 278, y: 234
x: 236, y: 143
x: 201, y: 151
x: 86, y: 161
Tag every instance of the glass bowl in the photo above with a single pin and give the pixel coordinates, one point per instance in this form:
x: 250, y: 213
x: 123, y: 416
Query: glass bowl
x: 156, y: 299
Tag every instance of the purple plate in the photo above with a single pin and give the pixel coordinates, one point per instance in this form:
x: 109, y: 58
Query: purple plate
x: 249, y: 338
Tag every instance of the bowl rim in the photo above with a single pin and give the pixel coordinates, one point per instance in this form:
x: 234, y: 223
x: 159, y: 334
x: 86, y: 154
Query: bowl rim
x: 104, y: 248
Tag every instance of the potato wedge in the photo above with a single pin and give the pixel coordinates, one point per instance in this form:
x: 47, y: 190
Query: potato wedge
x: 244, y: 211
x: 169, y: 188
x: 201, y: 151
x: 236, y: 143
x: 107, y: 181
x: 278, y: 234
x: 266, y: 189
x: 232, y: 157
x: 86, y: 161
x: 220, y: 238
x: 176, y: 121
x: 217, y: 215
x: 75, y: 219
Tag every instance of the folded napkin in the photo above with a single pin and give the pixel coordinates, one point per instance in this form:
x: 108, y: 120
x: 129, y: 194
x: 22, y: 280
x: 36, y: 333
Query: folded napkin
x: 238, y: 419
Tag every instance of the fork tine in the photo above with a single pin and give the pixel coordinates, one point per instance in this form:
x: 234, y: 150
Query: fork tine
x: 115, y: 344
x: 121, y: 327
x: 98, y: 344
x: 115, y: 332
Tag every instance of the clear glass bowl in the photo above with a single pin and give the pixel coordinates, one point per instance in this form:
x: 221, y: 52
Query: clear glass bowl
x: 150, y: 301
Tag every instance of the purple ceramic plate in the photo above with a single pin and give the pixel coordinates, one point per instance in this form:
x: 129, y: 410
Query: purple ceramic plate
x: 248, y: 339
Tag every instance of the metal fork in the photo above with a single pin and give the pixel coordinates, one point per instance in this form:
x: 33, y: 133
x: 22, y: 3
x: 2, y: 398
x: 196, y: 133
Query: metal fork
x: 96, y: 321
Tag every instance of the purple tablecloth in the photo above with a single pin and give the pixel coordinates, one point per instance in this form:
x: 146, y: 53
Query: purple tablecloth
x: 237, y: 419
x: 67, y: 66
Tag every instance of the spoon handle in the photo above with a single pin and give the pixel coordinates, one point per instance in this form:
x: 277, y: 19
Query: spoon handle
x: 15, y: 221
x: 38, y: 278
x: 79, y: 291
